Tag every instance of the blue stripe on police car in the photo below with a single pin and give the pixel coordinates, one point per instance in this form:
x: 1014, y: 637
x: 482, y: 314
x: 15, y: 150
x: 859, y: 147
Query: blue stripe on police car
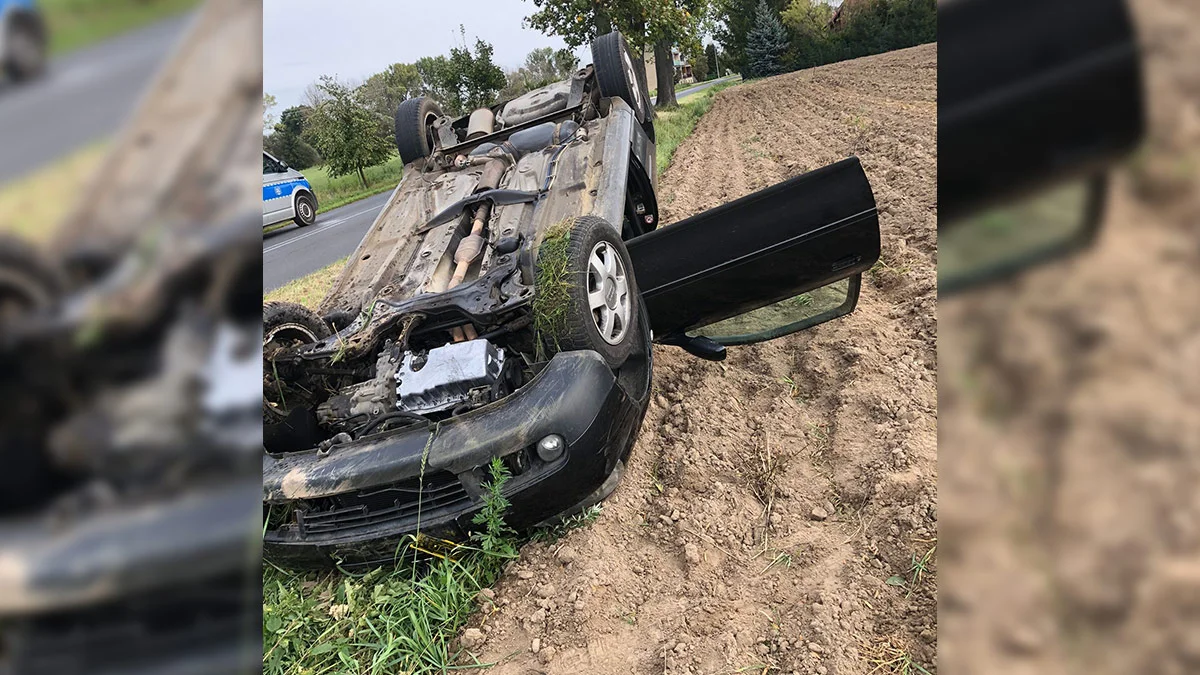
x: 283, y: 189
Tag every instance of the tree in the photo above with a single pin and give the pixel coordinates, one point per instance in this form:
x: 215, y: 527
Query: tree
x: 700, y: 67
x: 463, y: 81
x: 475, y: 76
x: 577, y: 22
x: 383, y: 92
x: 673, y: 24
x: 287, y: 142
x: 664, y: 73
x: 808, y: 17
x: 766, y: 43
x: 735, y: 18
x: 663, y: 23
x: 434, y: 72
x: 865, y: 28
x: 345, y: 131
x: 543, y: 66
x: 811, y: 44
x: 268, y: 103
x: 710, y: 58
x: 314, y: 95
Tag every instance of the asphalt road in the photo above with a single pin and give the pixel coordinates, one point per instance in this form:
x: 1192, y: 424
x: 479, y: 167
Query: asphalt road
x: 83, y: 97
x: 294, y: 252
x: 702, y: 86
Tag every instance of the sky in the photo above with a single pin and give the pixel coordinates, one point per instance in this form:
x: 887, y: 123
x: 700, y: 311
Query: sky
x: 353, y: 39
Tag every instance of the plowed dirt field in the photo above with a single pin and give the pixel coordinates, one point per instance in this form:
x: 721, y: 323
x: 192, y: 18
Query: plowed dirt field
x: 779, y: 513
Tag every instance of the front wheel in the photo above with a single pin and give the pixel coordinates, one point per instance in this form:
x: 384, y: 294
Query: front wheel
x: 286, y: 325
x: 306, y: 210
x: 28, y: 282
x: 24, y: 54
x: 586, y: 296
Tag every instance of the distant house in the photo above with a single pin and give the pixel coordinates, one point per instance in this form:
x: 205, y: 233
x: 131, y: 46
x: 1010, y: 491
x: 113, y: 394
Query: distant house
x: 683, y: 69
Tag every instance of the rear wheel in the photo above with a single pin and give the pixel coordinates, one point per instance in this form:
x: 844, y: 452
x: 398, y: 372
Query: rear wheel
x: 24, y: 54
x: 414, y: 128
x: 306, y: 210
x: 586, y: 294
x: 617, y: 71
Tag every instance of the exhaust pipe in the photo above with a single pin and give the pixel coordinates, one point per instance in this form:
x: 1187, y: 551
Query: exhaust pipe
x: 471, y: 245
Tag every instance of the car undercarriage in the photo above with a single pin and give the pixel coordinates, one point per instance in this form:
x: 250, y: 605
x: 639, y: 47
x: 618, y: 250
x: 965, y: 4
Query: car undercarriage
x: 494, y: 312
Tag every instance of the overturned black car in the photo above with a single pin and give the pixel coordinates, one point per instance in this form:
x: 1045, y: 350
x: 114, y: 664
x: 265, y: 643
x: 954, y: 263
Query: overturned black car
x: 503, y: 305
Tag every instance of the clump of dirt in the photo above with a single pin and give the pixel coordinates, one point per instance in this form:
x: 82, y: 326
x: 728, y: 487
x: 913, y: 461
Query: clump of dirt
x: 780, y: 508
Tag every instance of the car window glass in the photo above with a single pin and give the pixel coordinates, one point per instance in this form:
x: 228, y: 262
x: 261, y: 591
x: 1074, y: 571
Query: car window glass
x: 1015, y: 235
x: 786, y: 316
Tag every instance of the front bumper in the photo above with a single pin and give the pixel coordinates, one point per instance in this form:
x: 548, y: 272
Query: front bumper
x: 356, y: 504
x: 166, y: 586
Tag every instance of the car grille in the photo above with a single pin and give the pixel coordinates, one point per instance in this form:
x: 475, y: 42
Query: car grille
x: 398, y: 502
x: 157, y: 631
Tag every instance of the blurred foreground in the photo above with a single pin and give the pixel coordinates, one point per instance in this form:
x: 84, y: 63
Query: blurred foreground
x: 1069, y: 433
x: 129, y: 371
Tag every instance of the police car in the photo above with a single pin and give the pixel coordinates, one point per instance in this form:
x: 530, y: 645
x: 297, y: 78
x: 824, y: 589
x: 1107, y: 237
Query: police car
x: 287, y: 195
x: 22, y: 39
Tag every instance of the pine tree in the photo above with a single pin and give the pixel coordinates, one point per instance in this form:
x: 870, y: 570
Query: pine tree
x: 766, y: 43
x: 710, y: 55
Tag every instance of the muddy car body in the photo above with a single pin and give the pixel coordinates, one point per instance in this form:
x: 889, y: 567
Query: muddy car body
x: 503, y: 305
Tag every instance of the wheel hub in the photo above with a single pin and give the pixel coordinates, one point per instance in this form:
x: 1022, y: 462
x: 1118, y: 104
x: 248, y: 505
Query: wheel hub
x: 608, y: 293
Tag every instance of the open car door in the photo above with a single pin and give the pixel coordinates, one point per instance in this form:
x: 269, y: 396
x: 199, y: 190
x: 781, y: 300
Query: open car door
x: 771, y: 263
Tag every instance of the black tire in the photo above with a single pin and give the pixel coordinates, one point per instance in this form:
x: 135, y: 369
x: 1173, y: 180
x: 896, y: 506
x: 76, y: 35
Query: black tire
x: 563, y: 314
x: 306, y: 210
x: 285, y: 324
x: 414, y: 128
x: 648, y: 122
x: 617, y: 74
x: 25, y: 53
x: 28, y: 282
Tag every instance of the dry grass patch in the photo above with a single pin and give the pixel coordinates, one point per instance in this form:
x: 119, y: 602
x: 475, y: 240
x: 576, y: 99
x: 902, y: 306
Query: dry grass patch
x: 33, y: 205
x: 308, y: 290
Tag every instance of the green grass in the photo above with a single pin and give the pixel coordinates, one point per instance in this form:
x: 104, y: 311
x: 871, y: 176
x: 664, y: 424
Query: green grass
x: 402, y: 618
x: 77, y: 23
x: 335, y: 192
x: 671, y: 127
x: 552, y: 295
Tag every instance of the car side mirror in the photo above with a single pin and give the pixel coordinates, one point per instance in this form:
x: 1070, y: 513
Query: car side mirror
x: 1005, y: 239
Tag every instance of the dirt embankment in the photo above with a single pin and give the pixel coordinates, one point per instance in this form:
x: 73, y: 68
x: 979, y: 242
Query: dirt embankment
x: 770, y: 498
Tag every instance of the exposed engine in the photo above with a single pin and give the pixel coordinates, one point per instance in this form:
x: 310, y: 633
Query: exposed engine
x: 450, y: 376
x: 441, y: 324
x: 455, y: 377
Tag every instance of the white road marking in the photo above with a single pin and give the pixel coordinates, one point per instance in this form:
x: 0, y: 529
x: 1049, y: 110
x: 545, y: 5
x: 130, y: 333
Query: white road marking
x: 323, y: 228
